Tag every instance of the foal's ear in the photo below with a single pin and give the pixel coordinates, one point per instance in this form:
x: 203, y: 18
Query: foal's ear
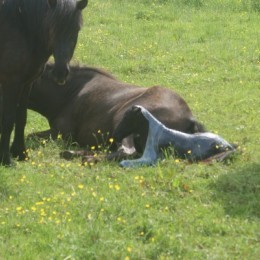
x: 52, y: 3
x: 82, y: 4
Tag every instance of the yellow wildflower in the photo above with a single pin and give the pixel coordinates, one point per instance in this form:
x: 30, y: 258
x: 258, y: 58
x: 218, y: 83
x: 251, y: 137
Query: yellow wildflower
x: 80, y: 186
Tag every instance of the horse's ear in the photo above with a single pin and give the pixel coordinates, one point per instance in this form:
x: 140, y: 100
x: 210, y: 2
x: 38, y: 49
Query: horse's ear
x: 52, y: 3
x: 82, y: 4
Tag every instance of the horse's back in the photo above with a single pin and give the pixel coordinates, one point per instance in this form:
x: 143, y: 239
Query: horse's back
x: 166, y: 105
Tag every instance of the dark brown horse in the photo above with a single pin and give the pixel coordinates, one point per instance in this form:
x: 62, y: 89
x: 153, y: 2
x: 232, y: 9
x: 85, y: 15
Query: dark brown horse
x: 93, y: 101
x: 31, y: 31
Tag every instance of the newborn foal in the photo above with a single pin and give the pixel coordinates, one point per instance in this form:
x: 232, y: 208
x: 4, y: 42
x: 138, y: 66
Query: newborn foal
x: 194, y: 147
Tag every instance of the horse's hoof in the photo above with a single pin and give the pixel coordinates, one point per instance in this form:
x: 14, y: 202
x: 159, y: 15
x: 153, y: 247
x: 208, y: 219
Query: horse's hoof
x: 6, y: 161
x: 23, y: 157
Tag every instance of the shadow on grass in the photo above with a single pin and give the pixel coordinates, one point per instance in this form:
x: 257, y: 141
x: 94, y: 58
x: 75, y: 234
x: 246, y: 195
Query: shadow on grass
x: 239, y: 191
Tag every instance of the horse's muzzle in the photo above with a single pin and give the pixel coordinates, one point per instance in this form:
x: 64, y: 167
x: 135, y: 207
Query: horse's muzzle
x: 60, y: 74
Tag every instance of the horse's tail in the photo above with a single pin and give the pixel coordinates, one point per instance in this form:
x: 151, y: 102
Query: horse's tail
x: 196, y: 127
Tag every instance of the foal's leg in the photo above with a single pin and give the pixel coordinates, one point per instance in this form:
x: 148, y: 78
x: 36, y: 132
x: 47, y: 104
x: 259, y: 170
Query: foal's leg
x: 9, y: 102
x: 18, y: 146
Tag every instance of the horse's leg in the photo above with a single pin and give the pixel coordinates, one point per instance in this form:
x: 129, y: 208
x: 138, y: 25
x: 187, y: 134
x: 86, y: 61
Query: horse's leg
x: 1, y: 107
x: 9, y: 102
x: 18, y: 146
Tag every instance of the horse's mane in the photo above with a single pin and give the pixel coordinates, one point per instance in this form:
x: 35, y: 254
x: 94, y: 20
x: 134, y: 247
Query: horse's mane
x: 83, y: 68
x: 31, y: 17
x: 77, y: 69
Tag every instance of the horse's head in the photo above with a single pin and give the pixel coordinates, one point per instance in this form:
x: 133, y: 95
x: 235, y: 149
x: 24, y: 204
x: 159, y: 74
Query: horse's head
x: 64, y: 34
x: 132, y: 122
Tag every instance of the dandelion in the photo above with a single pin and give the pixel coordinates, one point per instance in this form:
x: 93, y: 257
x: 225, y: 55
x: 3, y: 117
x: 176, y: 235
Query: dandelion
x: 99, y: 131
x: 147, y: 206
x: 19, y: 208
x: 117, y: 187
x: 43, y: 213
x: 189, y: 152
x: 92, y: 147
x: 101, y: 199
x: 129, y: 249
x: 177, y: 160
x: 111, y: 140
x: 80, y: 186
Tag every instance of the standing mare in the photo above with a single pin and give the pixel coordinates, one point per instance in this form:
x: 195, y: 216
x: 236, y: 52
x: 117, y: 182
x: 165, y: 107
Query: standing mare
x: 31, y: 31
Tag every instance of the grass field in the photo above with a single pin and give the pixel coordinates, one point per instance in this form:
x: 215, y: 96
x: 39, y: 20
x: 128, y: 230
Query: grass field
x: 209, y: 52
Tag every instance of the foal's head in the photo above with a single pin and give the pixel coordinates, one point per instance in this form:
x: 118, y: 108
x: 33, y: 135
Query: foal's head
x: 133, y: 122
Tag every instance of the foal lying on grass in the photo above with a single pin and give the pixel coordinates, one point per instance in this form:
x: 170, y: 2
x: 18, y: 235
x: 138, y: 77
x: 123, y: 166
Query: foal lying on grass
x: 193, y: 147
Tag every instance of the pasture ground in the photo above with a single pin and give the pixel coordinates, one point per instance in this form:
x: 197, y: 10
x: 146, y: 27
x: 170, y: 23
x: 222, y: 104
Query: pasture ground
x: 209, y: 52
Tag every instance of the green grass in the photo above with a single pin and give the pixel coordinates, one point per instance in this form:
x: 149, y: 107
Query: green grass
x: 209, y: 52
